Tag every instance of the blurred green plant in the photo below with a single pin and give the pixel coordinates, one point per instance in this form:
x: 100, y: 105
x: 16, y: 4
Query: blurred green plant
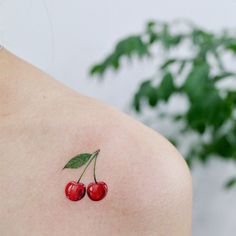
x: 197, y: 76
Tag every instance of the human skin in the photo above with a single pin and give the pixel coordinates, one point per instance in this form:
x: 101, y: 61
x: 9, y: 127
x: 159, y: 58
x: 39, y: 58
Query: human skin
x: 43, y: 124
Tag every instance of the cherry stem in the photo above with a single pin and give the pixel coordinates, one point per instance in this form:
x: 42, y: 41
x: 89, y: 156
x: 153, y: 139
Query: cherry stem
x: 94, y: 155
x: 94, y: 169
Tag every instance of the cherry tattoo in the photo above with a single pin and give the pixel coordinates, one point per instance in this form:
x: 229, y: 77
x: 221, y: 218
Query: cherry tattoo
x: 75, y: 190
x: 97, y: 190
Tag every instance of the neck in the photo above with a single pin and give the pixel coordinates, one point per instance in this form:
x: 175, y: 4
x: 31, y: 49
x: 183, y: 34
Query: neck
x: 21, y: 84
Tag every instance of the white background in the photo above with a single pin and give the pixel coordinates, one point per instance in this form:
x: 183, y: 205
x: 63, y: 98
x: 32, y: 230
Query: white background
x: 65, y: 37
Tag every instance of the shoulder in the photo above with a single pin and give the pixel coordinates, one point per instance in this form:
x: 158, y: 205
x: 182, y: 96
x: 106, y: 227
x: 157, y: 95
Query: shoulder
x: 150, y: 190
x: 148, y: 180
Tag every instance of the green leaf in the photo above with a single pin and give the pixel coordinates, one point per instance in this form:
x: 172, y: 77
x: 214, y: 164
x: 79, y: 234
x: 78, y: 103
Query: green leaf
x: 166, y: 87
x: 78, y: 161
x: 208, y: 109
x: 222, y: 146
x: 150, y: 24
x: 97, y: 69
x: 232, y: 45
x: 167, y: 63
x: 223, y: 76
x: 169, y: 40
x: 181, y: 67
x: 203, y: 38
x: 152, y: 36
x: 230, y: 183
x: 145, y: 91
x: 197, y: 79
x: 128, y: 47
x: 137, y: 101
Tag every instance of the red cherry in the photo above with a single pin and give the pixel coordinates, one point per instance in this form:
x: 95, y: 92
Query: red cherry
x: 97, y: 190
x: 75, y: 191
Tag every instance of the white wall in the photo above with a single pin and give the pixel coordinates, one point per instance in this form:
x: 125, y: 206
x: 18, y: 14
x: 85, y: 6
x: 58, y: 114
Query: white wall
x: 65, y: 37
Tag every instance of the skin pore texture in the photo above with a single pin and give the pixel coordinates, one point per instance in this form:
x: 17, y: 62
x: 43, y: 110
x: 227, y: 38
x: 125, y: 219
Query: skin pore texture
x: 43, y: 124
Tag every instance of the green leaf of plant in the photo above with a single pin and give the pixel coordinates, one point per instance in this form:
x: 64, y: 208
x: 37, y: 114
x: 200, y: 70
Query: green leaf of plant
x: 128, y: 47
x: 197, y: 79
x: 232, y: 46
x: 97, y: 69
x: 136, y: 102
x: 181, y: 67
x: 222, y: 145
x: 167, y: 63
x: 78, y: 161
x: 230, y: 183
x: 150, y: 24
x: 166, y: 87
x: 146, y: 91
x: 223, y: 75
